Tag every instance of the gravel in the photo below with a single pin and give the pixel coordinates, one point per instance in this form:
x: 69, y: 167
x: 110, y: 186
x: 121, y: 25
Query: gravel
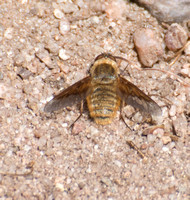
x: 148, y: 45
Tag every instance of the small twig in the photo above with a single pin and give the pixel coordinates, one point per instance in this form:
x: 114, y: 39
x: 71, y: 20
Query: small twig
x: 132, y: 145
x: 178, y: 54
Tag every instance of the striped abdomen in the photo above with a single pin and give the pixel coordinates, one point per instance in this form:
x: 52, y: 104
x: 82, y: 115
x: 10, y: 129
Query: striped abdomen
x: 103, y: 103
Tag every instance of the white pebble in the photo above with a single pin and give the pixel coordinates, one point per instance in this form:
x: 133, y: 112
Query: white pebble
x: 96, y: 147
x: 61, y: 1
x: 64, y: 27
x: 151, y: 138
x: 159, y: 132
x: 165, y: 149
x: 96, y: 19
x: 8, y: 33
x: 2, y: 147
x: 63, y: 55
x: 94, y: 131
x: 60, y: 186
x: 186, y: 71
x: 187, y: 49
x: 169, y: 172
x: 172, y: 111
x: 58, y: 13
x: 89, y: 170
x: 27, y: 148
x: 171, y: 145
x: 24, y: 1
x: 64, y: 125
x: 68, y: 181
x: 118, y: 163
x: 59, y: 153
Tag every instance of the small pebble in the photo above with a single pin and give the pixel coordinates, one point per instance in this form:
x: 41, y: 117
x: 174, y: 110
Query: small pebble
x: 95, y: 19
x: 59, y: 153
x: 2, y: 146
x: 63, y: 68
x: 49, y: 152
x: 8, y: 34
x: 186, y: 70
x: 169, y: 172
x: 165, y: 149
x: 143, y: 146
x: 24, y: 73
x: 151, y: 138
x: 158, y: 131
x: 42, y: 142
x: 23, y: 1
x: 52, y: 46
x: 33, y: 106
x: 58, y: 13
x: 171, y: 145
x: 118, y: 163
x: 3, y: 190
x: 94, y: 131
x: 158, y: 145
x: 181, y: 125
x: 39, y: 133
x: 27, y: 148
x: 60, y: 187
x: 64, y: 27
x: 1, y: 76
x: 89, y: 170
x: 77, y: 128
x: 115, y: 9
x: 45, y: 58
x: 81, y: 185
x: 69, y: 7
x: 166, y: 139
x: 187, y: 49
x: 63, y: 55
x: 172, y: 111
x: 148, y: 45
x: 64, y: 125
x: 176, y: 37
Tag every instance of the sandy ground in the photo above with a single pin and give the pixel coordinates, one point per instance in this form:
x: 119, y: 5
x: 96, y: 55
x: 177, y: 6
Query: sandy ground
x: 48, y: 45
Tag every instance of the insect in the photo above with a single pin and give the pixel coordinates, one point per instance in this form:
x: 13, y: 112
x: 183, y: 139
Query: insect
x: 105, y: 91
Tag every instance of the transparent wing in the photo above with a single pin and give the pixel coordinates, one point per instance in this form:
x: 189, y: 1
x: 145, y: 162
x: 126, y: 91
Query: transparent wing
x: 133, y: 96
x: 73, y: 94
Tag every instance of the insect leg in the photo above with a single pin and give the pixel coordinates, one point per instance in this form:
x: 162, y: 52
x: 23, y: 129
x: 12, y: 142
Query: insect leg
x: 121, y: 115
x: 81, y: 112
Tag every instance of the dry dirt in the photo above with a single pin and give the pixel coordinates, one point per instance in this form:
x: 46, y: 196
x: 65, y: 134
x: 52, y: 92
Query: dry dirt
x: 46, y: 46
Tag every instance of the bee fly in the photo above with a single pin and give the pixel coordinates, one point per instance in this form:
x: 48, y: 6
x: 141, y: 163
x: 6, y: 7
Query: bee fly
x: 105, y: 91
